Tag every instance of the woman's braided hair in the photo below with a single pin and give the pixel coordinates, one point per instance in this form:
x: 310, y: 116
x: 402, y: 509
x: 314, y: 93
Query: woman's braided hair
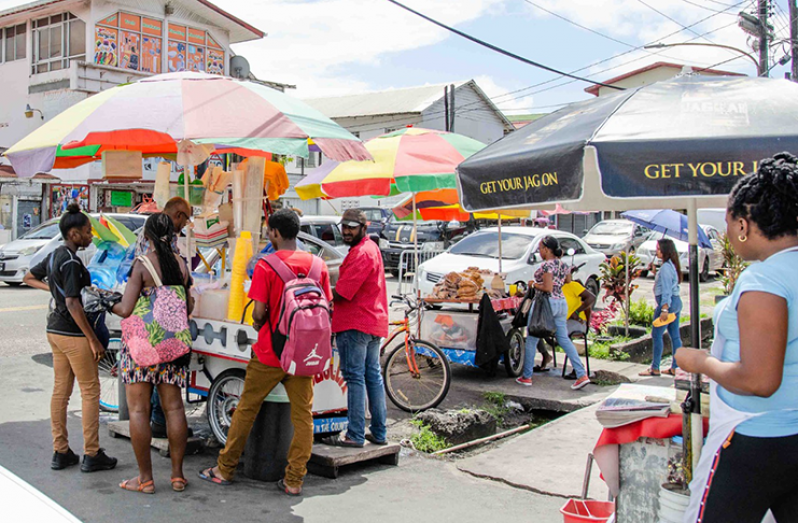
x: 159, y: 230
x: 769, y: 197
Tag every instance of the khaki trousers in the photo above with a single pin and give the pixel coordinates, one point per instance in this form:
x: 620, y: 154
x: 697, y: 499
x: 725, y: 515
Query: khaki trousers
x: 72, y: 358
x: 260, y: 381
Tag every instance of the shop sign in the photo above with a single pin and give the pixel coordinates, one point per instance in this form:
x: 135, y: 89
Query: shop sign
x: 121, y: 199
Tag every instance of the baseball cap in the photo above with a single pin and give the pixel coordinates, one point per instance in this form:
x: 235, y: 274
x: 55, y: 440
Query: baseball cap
x: 354, y: 218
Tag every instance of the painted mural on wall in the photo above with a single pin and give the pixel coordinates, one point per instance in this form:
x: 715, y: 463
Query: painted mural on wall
x: 215, y: 61
x: 106, y: 49
x: 151, y: 54
x: 131, y: 50
x: 195, y: 58
x: 63, y: 195
x: 177, y: 56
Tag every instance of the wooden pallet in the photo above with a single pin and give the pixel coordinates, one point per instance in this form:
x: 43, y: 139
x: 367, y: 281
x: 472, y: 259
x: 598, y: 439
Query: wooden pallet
x: 326, y: 460
x: 119, y: 429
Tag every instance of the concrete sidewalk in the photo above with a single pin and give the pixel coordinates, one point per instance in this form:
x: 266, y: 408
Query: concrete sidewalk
x: 548, y: 460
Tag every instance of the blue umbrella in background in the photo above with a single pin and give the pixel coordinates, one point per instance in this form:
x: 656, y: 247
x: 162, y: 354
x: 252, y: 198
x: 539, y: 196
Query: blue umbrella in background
x: 668, y: 222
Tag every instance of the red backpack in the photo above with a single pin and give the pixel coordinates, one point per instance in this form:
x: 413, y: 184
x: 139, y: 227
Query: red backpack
x: 302, y: 337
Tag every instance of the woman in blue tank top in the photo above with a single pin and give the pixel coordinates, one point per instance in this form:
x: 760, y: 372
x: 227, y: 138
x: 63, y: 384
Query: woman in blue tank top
x: 754, y: 362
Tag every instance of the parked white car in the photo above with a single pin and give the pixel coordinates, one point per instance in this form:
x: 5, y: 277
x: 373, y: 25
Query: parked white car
x: 23, y: 502
x: 710, y: 259
x: 519, y: 256
x: 612, y: 237
x: 26, y: 251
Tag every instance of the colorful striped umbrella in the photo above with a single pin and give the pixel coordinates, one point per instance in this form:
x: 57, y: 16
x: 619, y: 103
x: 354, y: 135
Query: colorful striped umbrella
x: 154, y: 114
x: 444, y: 205
x: 414, y: 159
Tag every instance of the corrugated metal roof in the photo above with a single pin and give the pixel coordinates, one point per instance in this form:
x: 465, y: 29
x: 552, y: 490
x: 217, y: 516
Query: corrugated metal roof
x: 393, y: 101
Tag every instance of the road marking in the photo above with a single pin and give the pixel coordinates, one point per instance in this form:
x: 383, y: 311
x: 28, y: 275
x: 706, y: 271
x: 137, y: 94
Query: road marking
x: 28, y: 308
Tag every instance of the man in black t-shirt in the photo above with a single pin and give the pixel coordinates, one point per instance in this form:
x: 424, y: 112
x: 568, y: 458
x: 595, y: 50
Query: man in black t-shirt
x: 76, y: 349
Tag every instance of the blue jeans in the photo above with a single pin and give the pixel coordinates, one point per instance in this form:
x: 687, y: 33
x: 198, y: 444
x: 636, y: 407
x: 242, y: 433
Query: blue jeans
x: 156, y: 413
x: 360, y: 365
x: 675, y: 307
x: 559, y: 307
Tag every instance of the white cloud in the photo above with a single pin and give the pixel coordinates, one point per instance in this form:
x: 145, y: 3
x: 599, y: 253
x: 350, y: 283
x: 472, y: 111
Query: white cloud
x: 310, y: 43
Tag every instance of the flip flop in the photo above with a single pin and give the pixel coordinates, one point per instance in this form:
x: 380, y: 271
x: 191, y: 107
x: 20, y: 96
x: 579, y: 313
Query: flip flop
x: 282, y: 486
x: 208, y: 475
x: 337, y: 441
x: 649, y: 372
x: 659, y: 323
x: 539, y: 368
x: 140, y: 488
x: 179, y: 484
x: 375, y: 441
x: 669, y: 372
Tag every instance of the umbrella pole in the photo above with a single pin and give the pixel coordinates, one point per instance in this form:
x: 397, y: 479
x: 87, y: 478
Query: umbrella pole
x: 693, y: 430
x: 626, y: 304
x: 188, y: 170
x: 500, y: 244
x: 415, y: 248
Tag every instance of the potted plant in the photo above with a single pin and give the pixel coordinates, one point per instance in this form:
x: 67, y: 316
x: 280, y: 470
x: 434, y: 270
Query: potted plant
x: 614, y: 281
x: 674, y: 495
x: 733, y: 266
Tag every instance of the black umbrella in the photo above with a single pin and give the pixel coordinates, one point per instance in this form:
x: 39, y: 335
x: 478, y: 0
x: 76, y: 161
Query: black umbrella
x: 686, y: 140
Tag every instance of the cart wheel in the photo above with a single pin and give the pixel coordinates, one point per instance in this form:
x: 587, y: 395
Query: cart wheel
x: 108, y: 368
x: 514, y: 359
x: 223, y: 398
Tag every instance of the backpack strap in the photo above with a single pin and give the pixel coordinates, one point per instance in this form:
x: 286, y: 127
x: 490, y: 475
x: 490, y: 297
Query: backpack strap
x: 151, y: 269
x: 279, y: 266
x: 315, y: 269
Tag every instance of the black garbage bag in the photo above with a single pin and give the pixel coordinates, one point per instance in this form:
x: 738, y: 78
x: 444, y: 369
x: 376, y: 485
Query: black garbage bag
x: 541, y: 323
x: 96, y: 300
x: 491, y: 341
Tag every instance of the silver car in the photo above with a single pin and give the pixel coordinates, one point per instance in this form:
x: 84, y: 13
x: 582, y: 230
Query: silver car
x: 26, y: 251
x: 611, y: 237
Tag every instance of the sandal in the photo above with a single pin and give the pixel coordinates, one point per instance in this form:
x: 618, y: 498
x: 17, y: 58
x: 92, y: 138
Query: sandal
x: 282, y: 486
x: 148, y: 487
x: 540, y: 368
x: 208, y: 475
x: 649, y: 372
x: 179, y: 484
x: 338, y: 441
x: 669, y: 372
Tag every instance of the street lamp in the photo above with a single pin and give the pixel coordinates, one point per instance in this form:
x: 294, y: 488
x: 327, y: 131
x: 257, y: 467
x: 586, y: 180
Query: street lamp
x: 29, y: 112
x: 730, y: 48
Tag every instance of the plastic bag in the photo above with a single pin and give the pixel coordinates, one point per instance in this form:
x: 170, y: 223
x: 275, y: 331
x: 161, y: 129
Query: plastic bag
x: 541, y: 323
x: 522, y: 312
x: 96, y: 300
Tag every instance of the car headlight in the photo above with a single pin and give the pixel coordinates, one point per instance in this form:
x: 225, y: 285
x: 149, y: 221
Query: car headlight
x: 383, y: 243
x: 27, y: 251
x: 618, y: 246
x: 432, y: 246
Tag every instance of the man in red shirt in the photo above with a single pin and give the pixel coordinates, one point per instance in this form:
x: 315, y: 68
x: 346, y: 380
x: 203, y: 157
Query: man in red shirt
x: 360, y: 320
x: 264, y: 371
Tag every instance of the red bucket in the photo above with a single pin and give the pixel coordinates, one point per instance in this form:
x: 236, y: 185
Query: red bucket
x: 578, y: 511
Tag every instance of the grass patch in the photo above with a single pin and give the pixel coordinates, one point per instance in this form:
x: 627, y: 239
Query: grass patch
x: 496, y: 405
x: 426, y: 440
x: 603, y: 349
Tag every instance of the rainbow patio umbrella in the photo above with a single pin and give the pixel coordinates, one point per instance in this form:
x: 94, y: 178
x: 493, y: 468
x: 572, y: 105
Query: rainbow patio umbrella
x: 413, y: 159
x: 154, y: 114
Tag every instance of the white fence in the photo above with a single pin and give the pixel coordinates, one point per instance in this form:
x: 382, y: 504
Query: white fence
x: 407, y: 265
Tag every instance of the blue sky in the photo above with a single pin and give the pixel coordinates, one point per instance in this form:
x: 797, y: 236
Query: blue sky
x: 330, y: 47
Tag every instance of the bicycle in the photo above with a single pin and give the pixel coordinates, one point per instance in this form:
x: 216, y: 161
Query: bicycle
x: 416, y: 373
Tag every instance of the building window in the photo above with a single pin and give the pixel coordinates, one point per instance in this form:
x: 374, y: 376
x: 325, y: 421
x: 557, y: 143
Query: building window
x: 12, y: 46
x: 57, y: 40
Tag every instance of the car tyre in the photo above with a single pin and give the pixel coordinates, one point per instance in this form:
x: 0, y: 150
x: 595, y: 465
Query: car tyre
x: 593, y: 286
x: 703, y: 276
x: 13, y: 283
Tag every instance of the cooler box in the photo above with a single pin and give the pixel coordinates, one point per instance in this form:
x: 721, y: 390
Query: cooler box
x: 450, y: 329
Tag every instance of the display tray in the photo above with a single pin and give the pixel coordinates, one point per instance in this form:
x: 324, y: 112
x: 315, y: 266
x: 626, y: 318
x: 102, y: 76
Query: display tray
x: 499, y: 304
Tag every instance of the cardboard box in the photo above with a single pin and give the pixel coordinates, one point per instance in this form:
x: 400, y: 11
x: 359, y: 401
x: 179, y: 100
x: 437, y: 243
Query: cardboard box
x: 122, y: 164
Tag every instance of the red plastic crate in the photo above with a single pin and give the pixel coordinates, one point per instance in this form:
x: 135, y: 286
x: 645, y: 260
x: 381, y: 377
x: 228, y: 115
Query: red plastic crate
x: 579, y: 511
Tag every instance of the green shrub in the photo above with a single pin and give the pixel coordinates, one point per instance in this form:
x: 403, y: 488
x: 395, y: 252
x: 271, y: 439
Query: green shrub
x: 426, y: 440
x: 641, y: 313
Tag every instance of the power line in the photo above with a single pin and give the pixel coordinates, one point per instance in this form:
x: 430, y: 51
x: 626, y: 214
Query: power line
x: 673, y: 20
x: 709, y: 8
x: 499, y: 49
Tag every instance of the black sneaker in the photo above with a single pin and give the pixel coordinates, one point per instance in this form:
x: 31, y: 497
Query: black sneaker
x: 62, y: 461
x: 100, y: 461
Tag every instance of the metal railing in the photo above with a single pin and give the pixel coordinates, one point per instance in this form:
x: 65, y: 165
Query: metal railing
x: 407, y: 265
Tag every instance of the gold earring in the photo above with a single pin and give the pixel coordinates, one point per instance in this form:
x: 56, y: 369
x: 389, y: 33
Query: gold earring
x: 743, y: 238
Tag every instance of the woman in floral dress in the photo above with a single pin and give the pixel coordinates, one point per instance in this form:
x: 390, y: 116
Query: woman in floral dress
x: 168, y: 315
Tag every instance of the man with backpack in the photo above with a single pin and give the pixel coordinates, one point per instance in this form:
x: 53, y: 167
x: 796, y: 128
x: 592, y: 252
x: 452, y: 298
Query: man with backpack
x: 291, y: 293
x: 360, y: 321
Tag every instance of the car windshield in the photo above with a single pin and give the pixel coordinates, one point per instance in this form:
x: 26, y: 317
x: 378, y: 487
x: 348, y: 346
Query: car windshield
x: 611, y: 229
x: 45, y: 231
x: 486, y: 245
x: 373, y: 215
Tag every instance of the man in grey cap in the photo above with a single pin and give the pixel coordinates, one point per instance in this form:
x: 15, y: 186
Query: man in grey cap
x: 360, y: 321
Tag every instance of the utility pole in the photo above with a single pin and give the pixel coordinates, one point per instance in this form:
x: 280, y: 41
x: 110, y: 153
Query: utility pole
x: 763, y: 37
x: 446, y: 115
x: 451, y: 108
x: 794, y: 38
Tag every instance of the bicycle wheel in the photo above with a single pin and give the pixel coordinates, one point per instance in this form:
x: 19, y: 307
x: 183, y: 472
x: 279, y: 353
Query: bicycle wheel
x: 417, y: 379
x: 109, y: 375
x: 514, y: 358
x: 223, y: 398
